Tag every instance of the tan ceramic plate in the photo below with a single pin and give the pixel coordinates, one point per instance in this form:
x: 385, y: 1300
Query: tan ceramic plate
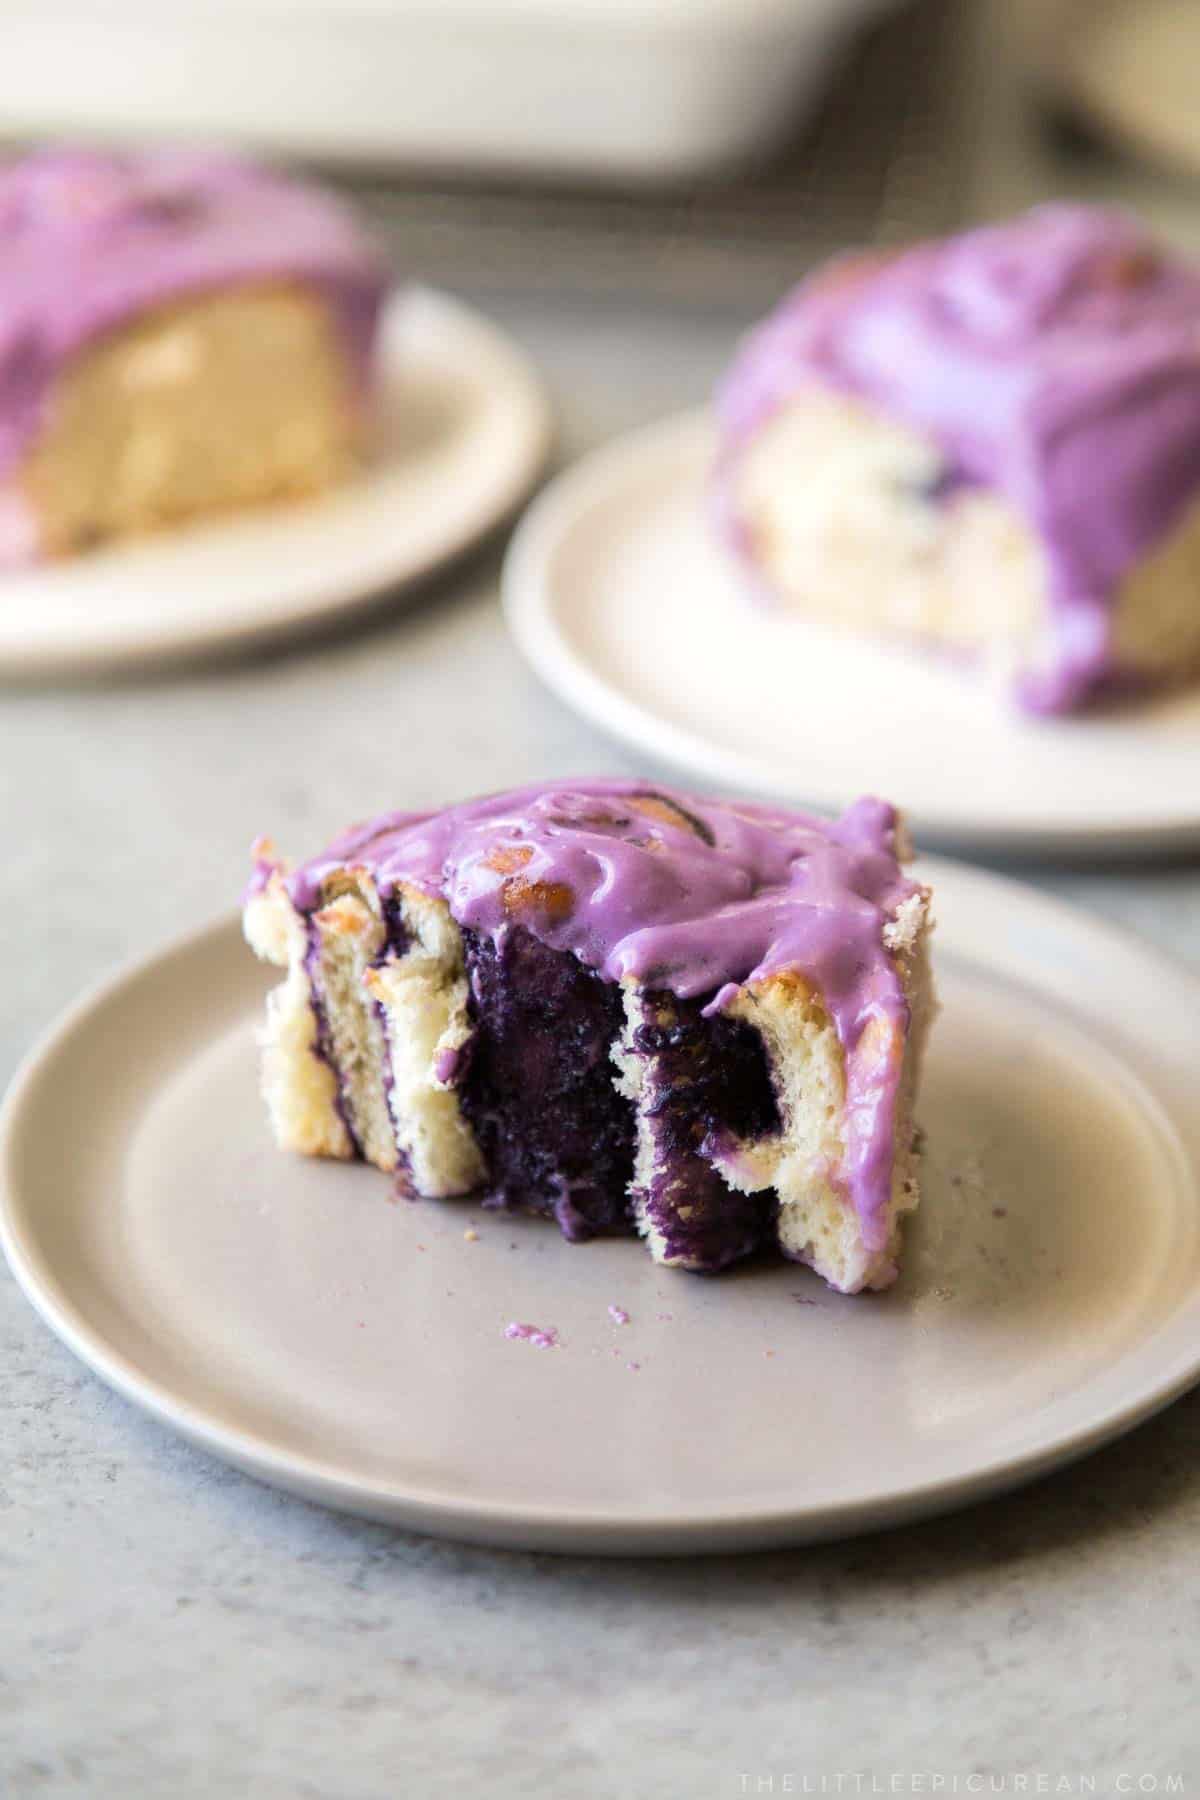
x: 286, y: 1316
x: 462, y: 428
x: 625, y: 602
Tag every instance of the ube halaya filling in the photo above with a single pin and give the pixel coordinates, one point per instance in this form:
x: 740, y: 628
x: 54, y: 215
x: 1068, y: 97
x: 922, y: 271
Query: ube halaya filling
x: 538, y: 1088
x: 706, y: 1081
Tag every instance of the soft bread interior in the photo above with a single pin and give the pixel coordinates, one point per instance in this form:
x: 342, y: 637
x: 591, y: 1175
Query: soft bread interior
x: 357, y: 1033
x: 346, y: 937
x: 298, y: 1085
x: 839, y: 507
x: 804, y: 1163
x: 816, y: 1223
x: 216, y: 402
x: 422, y: 994
x: 841, y: 511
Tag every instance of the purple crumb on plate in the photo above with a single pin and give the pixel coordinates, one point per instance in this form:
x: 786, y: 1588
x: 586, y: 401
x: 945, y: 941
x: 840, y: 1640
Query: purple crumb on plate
x: 541, y: 1339
x: 618, y: 1315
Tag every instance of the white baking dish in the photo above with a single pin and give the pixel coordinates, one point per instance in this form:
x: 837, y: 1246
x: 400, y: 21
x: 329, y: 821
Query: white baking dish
x: 650, y: 89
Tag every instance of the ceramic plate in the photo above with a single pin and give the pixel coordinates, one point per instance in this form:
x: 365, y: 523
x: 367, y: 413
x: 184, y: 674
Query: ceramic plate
x: 627, y: 605
x: 462, y: 430
x: 291, y: 1318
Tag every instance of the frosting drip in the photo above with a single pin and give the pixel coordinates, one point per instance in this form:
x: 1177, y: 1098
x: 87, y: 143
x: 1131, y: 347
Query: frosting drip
x: 90, y: 239
x: 1055, y: 359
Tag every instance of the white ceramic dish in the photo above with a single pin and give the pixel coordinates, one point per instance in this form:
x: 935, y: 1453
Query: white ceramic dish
x: 624, y: 601
x: 286, y: 1317
x: 463, y: 427
x: 636, y: 89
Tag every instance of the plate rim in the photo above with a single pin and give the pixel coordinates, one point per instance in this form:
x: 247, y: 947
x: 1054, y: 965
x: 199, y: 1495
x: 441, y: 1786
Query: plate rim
x: 528, y: 600
x: 530, y: 433
x: 605, y: 1529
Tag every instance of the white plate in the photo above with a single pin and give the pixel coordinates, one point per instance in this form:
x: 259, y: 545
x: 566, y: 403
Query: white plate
x: 462, y: 430
x: 627, y: 605
x: 284, y: 1315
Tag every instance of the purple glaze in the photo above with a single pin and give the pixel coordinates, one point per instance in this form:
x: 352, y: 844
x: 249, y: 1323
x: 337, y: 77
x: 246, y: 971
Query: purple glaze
x: 1055, y: 359
x: 541, y: 1337
x: 88, y: 239
x: 694, y: 896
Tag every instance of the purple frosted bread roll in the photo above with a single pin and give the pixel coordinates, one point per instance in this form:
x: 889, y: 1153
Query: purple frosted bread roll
x: 180, y: 333
x: 991, y: 443
x: 627, y: 1008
